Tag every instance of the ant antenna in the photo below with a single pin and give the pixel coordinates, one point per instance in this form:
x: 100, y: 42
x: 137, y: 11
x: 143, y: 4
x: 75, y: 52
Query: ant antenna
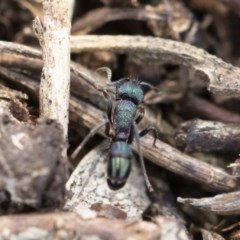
x: 149, y: 85
x: 90, y: 134
x: 109, y: 76
x: 137, y: 137
x: 108, y: 71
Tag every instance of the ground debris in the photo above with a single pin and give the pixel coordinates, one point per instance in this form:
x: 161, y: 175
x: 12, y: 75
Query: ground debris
x: 32, y: 168
x: 188, y: 54
x: 67, y: 225
x: 208, y: 136
x: 222, y: 204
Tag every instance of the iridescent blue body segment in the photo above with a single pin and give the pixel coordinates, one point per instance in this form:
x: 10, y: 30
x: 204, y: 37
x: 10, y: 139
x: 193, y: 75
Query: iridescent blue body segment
x: 130, y: 90
x: 125, y: 112
x: 119, y: 165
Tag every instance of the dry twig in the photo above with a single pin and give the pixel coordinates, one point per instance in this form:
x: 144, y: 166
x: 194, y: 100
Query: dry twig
x: 53, y: 36
x: 222, y: 204
x: 207, y: 136
x: 221, y: 78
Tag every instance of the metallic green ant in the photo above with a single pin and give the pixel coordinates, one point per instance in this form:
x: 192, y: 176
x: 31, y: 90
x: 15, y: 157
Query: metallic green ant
x: 123, y: 121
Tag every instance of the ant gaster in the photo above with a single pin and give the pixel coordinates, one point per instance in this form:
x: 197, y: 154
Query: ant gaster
x: 129, y: 95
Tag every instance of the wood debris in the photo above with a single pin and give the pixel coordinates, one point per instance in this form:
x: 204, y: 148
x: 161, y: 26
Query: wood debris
x: 187, y: 52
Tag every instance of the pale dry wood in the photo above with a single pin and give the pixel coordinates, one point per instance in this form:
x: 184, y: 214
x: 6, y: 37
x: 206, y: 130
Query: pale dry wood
x: 66, y: 225
x: 10, y: 47
x: 222, y: 204
x: 53, y: 36
x: 221, y: 77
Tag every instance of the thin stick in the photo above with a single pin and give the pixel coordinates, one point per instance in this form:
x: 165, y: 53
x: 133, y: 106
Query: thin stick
x: 53, y: 36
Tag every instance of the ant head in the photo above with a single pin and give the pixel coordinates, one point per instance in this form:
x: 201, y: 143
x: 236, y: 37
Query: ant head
x: 130, y: 90
x: 119, y: 165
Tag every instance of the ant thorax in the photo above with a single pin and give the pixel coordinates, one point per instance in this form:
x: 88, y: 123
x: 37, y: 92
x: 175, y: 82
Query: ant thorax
x: 125, y: 112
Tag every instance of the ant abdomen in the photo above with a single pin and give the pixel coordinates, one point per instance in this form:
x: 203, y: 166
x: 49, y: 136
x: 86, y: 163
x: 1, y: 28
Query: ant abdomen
x: 119, y: 166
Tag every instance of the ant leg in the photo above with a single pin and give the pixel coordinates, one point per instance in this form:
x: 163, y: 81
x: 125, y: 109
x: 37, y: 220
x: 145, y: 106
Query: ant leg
x: 140, y: 116
x: 137, y: 137
x: 137, y: 120
x: 149, y: 129
x: 131, y: 135
x: 107, y: 130
x: 109, y: 106
x: 120, y: 81
x: 92, y: 132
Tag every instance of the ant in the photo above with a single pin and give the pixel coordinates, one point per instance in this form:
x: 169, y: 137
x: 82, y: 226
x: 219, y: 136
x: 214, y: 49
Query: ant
x: 123, y: 121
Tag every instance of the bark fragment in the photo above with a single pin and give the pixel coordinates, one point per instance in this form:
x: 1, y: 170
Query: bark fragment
x: 222, y: 204
x: 208, y: 136
x: 32, y: 169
